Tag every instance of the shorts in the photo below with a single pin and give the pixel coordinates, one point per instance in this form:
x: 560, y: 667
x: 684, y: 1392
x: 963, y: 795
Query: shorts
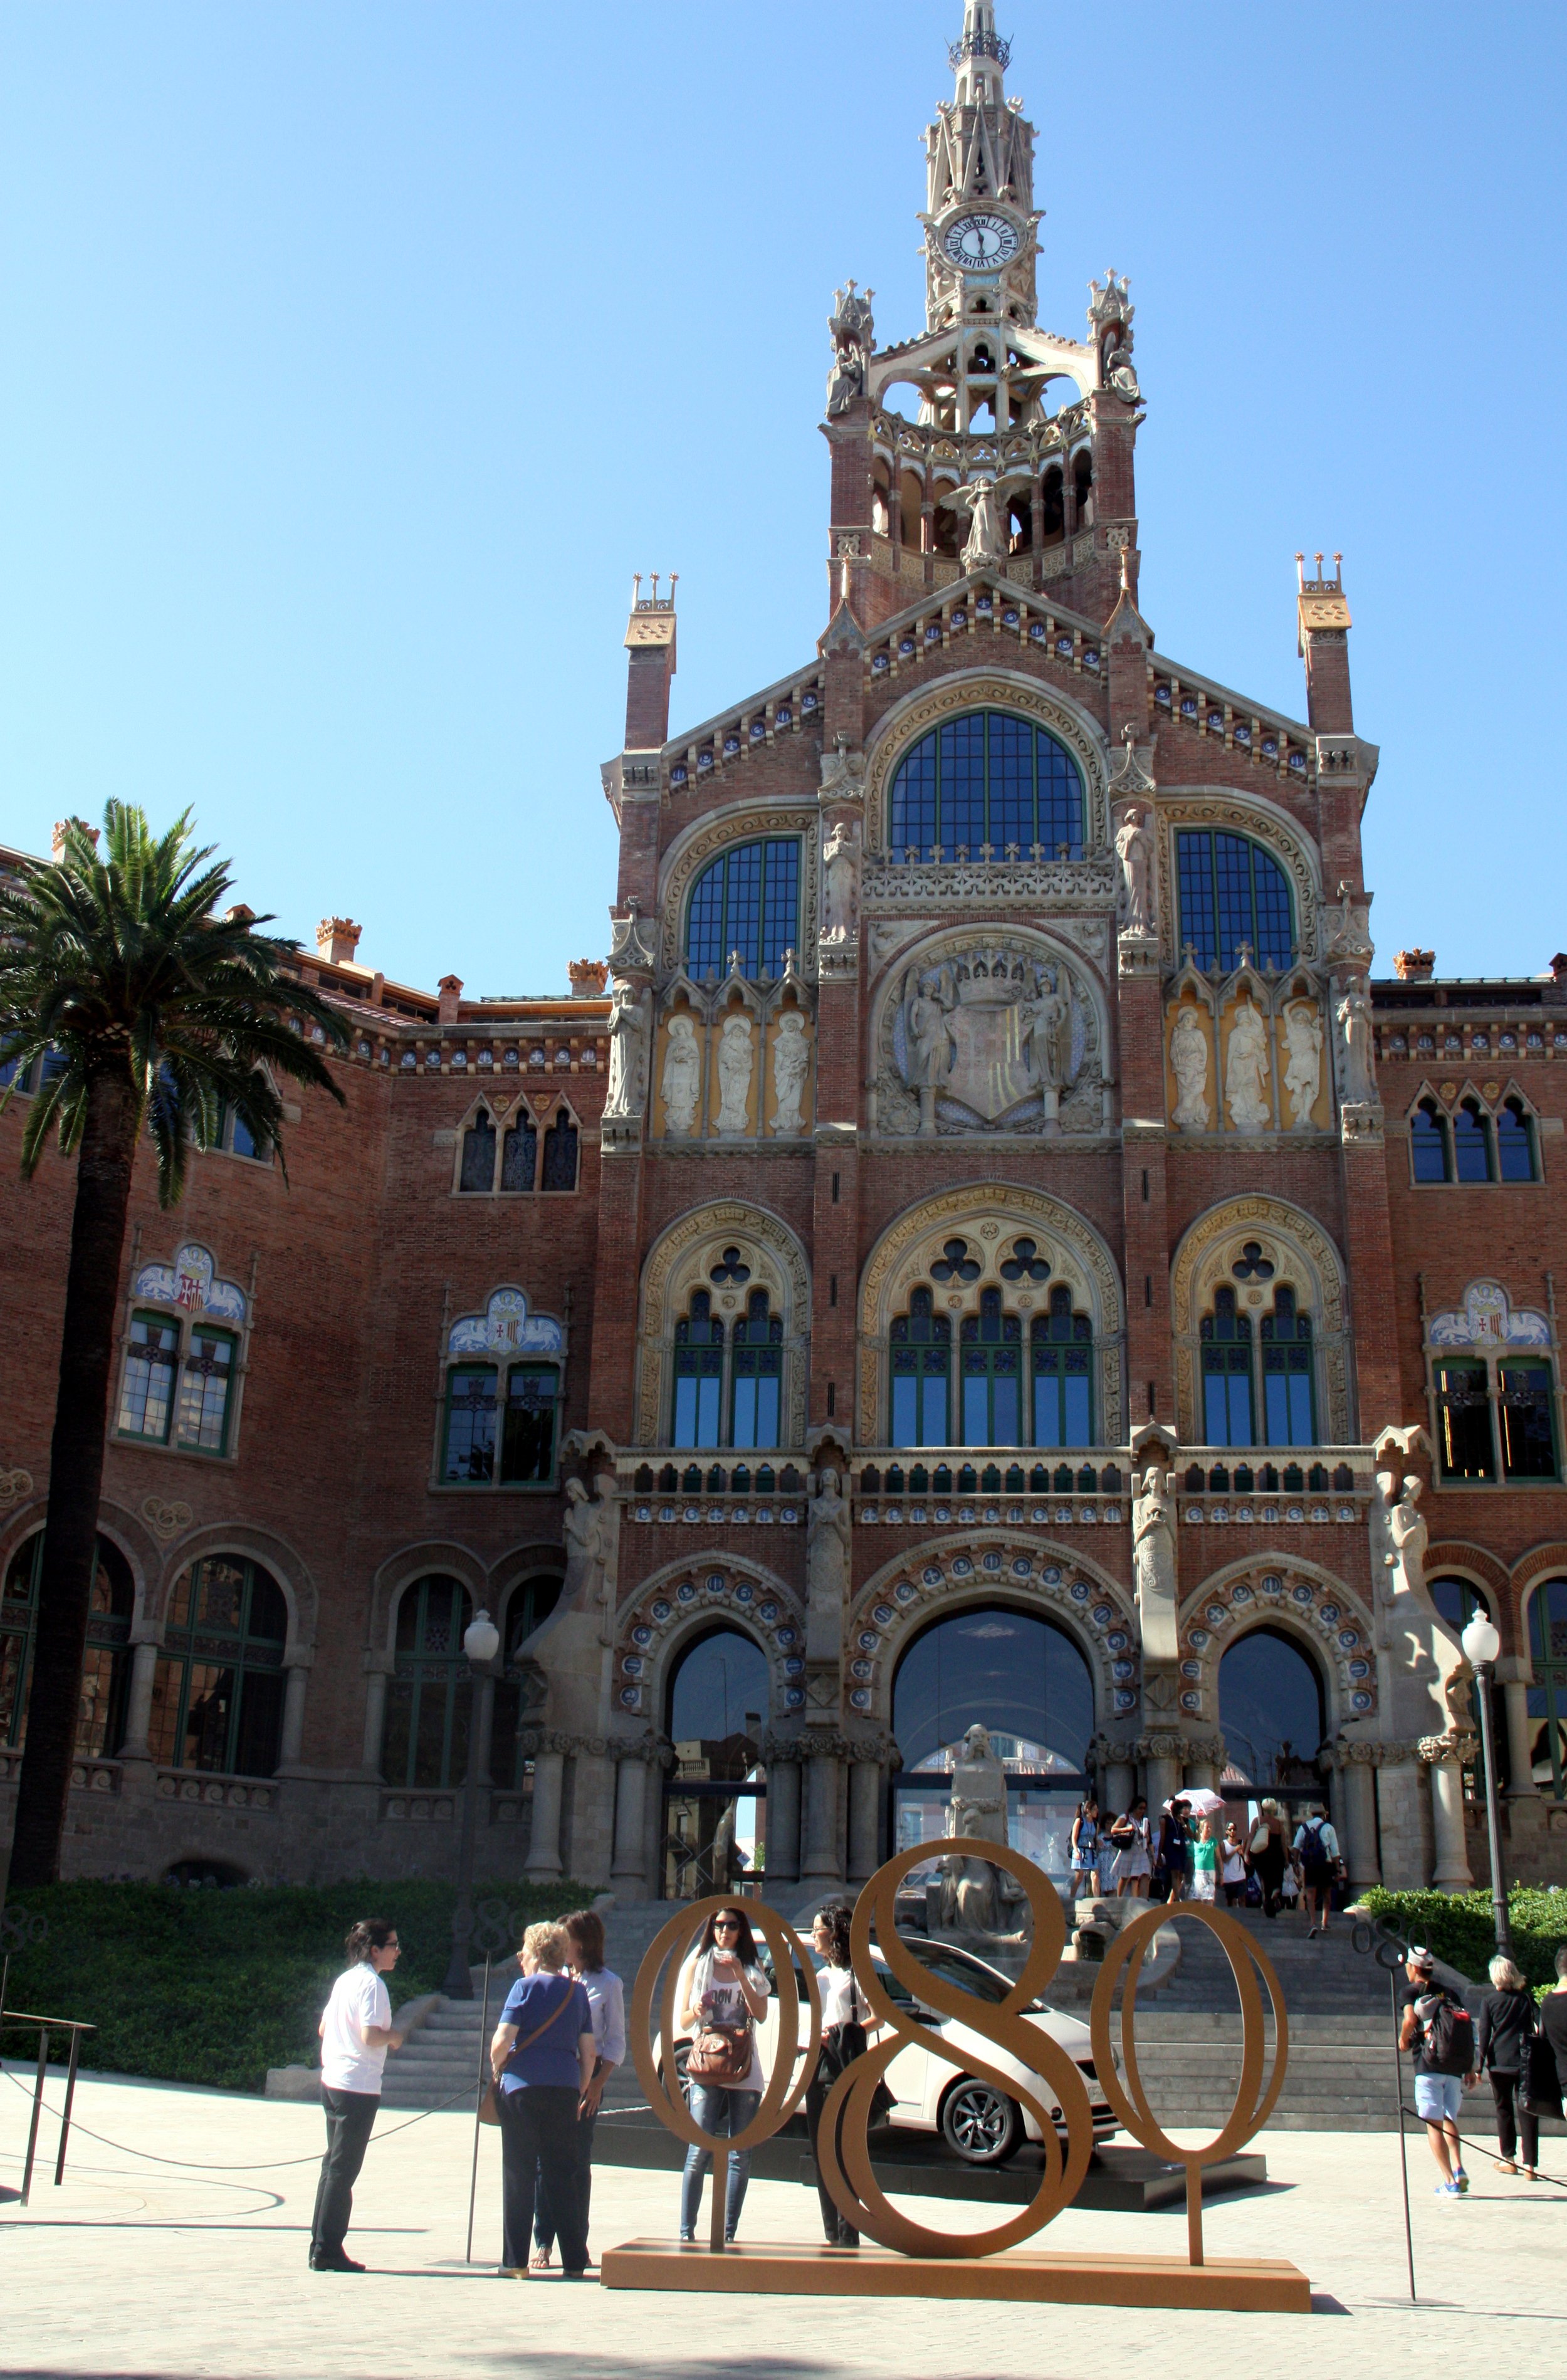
x: 1437, y: 2095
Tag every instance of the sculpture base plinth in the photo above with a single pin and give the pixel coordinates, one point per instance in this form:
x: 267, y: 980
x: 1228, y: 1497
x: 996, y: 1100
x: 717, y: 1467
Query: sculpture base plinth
x: 1025, y: 2275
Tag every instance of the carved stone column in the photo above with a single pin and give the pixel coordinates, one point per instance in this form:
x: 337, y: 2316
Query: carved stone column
x: 1515, y: 1699
x: 543, y: 1861
x: 628, y: 1877
x: 138, y: 1702
x: 378, y: 1669
x: 1404, y: 1814
x: 1355, y: 1809
x: 1449, y: 1871
x: 865, y: 1813
x: 783, y: 1814
x: 823, y: 1846
x: 591, y: 1831
x: 298, y: 1677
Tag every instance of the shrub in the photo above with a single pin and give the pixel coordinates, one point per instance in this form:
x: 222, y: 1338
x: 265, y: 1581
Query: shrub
x: 1461, y: 1927
x: 214, y: 1986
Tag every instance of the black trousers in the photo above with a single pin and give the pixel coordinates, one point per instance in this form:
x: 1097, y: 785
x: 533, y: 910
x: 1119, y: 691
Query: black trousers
x: 545, y: 2221
x: 836, y: 2233
x: 539, y: 2136
x: 349, y: 2116
x: 1512, y: 2119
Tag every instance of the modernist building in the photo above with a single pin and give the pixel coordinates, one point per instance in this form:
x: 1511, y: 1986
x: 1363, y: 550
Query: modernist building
x: 989, y: 1142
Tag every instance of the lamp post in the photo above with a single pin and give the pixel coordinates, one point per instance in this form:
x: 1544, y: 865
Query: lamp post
x: 1481, y: 1644
x: 482, y: 1642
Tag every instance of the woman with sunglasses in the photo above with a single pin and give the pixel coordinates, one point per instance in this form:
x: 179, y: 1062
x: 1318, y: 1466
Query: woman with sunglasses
x: 722, y: 1985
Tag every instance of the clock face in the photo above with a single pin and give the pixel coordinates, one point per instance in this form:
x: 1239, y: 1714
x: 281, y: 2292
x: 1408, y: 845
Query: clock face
x: 981, y: 243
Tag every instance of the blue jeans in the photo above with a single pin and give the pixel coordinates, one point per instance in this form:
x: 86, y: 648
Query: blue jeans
x: 724, y: 2112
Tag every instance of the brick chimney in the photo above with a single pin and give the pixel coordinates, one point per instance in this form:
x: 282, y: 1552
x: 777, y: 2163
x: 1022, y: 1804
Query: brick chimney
x: 1323, y: 613
x: 650, y: 644
x: 450, y: 989
x: 588, y: 977
x: 337, y: 939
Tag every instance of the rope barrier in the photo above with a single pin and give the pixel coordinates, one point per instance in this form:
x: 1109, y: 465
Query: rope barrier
x: 1481, y: 2148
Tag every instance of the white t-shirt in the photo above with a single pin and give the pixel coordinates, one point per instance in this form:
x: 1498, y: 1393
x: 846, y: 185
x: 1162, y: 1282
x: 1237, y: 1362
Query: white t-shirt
x: 348, y: 2062
x: 843, y: 2002
x: 727, y: 2007
x: 1329, y: 1846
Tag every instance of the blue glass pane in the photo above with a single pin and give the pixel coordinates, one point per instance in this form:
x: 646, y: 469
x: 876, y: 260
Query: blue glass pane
x: 963, y: 785
x: 766, y: 1411
x: 905, y: 1412
x: 1231, y: 878
x: 1276, y: 1409
x: 1302, y: 1431
x: 742, y: 918
x: 780, y: 904
x: 1012, y: 786
x: 1469, y: 1146
x: 1273, y: 942
x: 933, y: 1411
x: 1240, y: 1410
x: 914, y: 802
x: 747, y: 901
x: 1194, y: 867
x: 976, y: 1412
x: 1232, y: 893
x: 1005, y: 1414
x: 1047, y: 1409
x: 1079, y: 1419
x: 1216, y: 1405
x: 704, y: 939
x: 1425, y: 1139
x: 684, y: 1431
x: 1061, y: 799
x: 1516, y: 1160
x: 987, y: 779
x: 746, y: 1414
x: 244, y: 1138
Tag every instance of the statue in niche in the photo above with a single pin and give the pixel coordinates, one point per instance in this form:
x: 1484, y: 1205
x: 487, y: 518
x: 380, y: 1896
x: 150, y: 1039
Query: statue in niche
x: 1153, y: 1564
x: 840, y: 867
x: 682, y: 1082
x: 629, y: 1050
x: 791, y: 1065
x: 1188, y: 1058
x: 985, y: 547
x: 584, y: 1529
x: 1049, y: 1036
x: 1246, y: 1069
x: 827, y: 1567
x: 854, y: 336
x: 1356, y: 1084
x: 1133, y: 848
x: 735, y: 1072
x: 929, y: 1046
x: 1302, y: 1074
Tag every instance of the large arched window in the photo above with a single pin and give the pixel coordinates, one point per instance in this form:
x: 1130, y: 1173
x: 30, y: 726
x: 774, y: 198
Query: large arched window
x: 990, y: 1364
x: 1233, y: 891
x: 1516, y: 1143
x: 988, y: 786
x: 746, y: 899
x: 1287, y: 1404
x: 1271, y: 1713
x: 1063, y: 1367
x: 425, y: 1742
x: 526, y: 1605
x: 714, y: 1805
x: 1471, y: 1142
x: 217, y: 1691
x: 1548, y: 1696
x: 105, y: 1668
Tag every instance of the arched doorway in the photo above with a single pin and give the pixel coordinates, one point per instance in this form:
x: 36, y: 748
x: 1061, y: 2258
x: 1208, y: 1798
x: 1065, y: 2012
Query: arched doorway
x: 714, y: 1806
x: 105, y: 1668
x: 1022, y: 1677
x: 1273, y: 1716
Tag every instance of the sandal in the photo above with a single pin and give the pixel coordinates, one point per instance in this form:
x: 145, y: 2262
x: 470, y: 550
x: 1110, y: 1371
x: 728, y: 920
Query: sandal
x: 1505, y: 2164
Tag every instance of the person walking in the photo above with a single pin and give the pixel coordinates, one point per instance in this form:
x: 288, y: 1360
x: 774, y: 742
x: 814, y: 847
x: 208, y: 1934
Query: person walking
x: 541, y: 2057
x: 1133, y: 1864
x: 1269, y: 1854
x: 1316, y: 1848
x: 606, y: 2002
x: 1438, y: 2031
x: 1554, y: 2016
x: 356, y: 2033
x: 1508, y: 2024
x: 721, y: 1995
x: 1085, y: 1851
x: 1205, y: 1859
x: 1174, y: 1845
x: 844, y: 2017
x: 1234, y: 1865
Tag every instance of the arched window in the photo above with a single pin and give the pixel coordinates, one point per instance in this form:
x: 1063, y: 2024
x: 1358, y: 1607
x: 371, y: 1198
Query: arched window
x: 699, y: 1375
x: 758, y: 1374
x: 1524, y: 1412
x: 519, y: 1153
x: 151, y: 1362
x: 1054, y: 508
x: 1471, y: 1143
x: 746, y: 899
x: 1272, y: 1713
x: 718, y: 1696
x: 425, y: 1742
x: 529, y: 1603
x: 1062, y: 1360
x: 1233, y: 891
x: 1457, y: 1600
x: 217, y: 1691
x: 922, y: 1354
x: 714, y: 1805
x: 1548, y: 1696
x: 990, y: 1364
x: 990, y: 785
x: 1516, y: 1143
x: 478, y: 1155
x: 1427, y: 1142
x: 1226, y: 1373
x: 560, y: 1153
x: 105, y: 1668
x: 1288, y: 1405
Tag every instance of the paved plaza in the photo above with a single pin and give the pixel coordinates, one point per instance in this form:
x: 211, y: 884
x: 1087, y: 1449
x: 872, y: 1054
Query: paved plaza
x: 133, y: 2268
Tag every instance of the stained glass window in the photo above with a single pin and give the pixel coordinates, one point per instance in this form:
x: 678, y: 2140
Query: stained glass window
x: 746, y: 899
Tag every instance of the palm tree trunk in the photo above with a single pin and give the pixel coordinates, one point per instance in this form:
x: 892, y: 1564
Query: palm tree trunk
x: 105, y: 1164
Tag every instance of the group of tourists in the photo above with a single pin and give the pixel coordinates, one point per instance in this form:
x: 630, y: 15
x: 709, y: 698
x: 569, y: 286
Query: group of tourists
x: 1519, y: 2043
x: 1196, y: 1854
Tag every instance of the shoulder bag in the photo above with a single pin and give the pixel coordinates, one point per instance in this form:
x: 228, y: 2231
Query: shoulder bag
x: 1540, y: 2091
x: 489, y: 2113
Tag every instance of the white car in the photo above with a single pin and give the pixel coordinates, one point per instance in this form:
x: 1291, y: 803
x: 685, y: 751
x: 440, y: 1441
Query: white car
x: 983, y: 2125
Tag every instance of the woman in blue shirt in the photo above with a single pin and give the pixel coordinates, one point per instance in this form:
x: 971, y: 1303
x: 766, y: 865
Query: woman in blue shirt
x: 541, y: 2057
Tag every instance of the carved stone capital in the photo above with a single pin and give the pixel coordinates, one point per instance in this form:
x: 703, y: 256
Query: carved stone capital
x: 1433, y: 1749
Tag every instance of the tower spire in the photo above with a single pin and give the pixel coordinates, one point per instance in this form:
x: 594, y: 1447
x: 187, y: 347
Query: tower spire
x: 979, y: 57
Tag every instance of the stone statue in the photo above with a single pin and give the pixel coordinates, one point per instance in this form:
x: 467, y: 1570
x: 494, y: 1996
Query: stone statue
x: 735, y: 1072
x: 840, y: 867
x: 1188, y: 1057
x: 1245, y: 1070
x: 1050, y: 1038
x: 584, y: 1527
x: 1302, y: 1074
x: 1356, y: 1084
x: 929, y: 1037
x: 682, y: 1084
x: 791, y: 1065
x: 1133, y: 846
x: 854, y: 336
x: 1153, y: 1565
x: 827, y: 1568
x: 985, y: 547
x: 843, y: 773
x: 971, y: 1894
x: 1407, y: 1533
x: 629, y: 1050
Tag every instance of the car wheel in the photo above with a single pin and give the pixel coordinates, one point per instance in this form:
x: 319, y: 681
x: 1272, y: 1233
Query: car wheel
x: 682, y: 2056
x: 980, y: 2123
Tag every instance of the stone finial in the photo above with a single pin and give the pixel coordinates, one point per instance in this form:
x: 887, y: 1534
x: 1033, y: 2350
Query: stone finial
x: 336, y: 939
x: 588, y: 977
x: 1414, y: 967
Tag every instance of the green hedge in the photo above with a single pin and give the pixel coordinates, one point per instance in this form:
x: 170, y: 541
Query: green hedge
x: 197, y: 1984
x: 1461, y: 1927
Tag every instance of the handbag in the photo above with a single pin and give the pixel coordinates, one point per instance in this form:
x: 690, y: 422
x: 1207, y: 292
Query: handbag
x: 488, y: 2111
x: 1540, y: 2084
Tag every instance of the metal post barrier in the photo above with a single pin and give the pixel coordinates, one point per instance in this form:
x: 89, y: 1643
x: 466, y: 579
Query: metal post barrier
x: 37, y: 2112
x: 478, y: 2104
x: 46, y: 2024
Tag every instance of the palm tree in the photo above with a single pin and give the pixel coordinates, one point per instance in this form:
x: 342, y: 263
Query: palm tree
x: 139, y: 1007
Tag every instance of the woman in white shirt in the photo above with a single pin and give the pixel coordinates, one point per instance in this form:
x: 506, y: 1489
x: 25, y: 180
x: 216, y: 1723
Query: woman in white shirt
x: 356, y: 2033
x: 722, y: 1985
x: 843, y: 2007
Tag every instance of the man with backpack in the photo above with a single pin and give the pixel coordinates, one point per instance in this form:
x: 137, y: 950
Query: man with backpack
x: 1316, y: 1847
x: 1439, y: 2030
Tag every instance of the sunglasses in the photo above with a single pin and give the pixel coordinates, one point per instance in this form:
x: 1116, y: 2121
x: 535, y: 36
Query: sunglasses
x: 726, y: 1925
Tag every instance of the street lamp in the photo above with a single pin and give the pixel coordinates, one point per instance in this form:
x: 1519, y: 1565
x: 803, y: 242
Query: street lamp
x: 1481, y: 1644
x: 482, y: 1642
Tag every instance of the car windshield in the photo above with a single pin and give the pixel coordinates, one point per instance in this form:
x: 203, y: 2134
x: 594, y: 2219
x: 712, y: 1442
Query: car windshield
x: 970, y: 1976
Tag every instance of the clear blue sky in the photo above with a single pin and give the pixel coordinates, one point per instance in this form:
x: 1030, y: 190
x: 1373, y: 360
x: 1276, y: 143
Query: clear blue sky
x: 357, y: 355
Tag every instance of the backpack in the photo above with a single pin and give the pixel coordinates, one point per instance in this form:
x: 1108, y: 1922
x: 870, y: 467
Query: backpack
x: 1312, y: 1847
x: 1448, y: 2046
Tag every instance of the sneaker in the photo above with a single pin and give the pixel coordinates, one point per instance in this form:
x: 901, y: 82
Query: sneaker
x: 1461, y: 2180
x: 1447, y: 2190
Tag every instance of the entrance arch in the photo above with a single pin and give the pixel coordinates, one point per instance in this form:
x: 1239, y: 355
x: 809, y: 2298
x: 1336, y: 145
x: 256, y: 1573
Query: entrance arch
x: 716, y: 1706
x: 1272, y: 1715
